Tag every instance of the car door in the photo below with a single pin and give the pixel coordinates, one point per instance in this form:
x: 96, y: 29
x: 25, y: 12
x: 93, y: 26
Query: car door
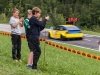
x: 59, y: 32
x: 55, y: 31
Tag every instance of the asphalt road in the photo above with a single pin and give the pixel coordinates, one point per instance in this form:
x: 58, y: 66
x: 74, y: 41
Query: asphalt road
x: 89, y: 41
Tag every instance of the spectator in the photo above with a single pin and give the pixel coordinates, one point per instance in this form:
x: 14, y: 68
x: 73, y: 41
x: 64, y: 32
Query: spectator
x: 16, y: 24
x: 27, y: 27
x: 35, y: 27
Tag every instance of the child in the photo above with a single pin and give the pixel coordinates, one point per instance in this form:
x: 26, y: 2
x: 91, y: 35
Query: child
x: 27, y: 27
x: 16, y: 24
x: 35, y: 27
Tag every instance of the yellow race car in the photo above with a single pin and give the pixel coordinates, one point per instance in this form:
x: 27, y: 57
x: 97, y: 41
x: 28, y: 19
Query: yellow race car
x: 65, y: 32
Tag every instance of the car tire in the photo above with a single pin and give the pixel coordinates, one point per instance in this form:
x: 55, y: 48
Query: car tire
x: 62, y: 38
x: 80, y: 38
x: 49, y: 36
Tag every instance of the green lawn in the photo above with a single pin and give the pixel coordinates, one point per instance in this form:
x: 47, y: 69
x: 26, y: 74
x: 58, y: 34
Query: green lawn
x: 91, y: 32
x: 58, y: 62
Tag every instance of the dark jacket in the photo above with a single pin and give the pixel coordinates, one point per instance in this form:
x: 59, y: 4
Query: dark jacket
x: 35, y: 27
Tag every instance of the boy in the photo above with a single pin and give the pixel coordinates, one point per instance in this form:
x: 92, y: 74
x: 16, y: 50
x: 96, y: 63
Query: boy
x: 16, y: 24
x: 35, y: 27
x: 27, y: 27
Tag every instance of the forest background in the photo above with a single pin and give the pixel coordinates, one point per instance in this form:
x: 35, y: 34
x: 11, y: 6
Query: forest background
x: 87, y: 11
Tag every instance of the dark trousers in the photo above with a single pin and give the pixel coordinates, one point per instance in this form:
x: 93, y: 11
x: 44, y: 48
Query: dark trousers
x: 16, y: 46
x: 34, y: 45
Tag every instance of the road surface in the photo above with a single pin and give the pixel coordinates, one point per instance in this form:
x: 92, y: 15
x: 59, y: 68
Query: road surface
x: 89, y: 41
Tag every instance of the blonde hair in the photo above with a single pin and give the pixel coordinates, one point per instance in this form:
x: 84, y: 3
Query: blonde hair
x: 14, y: 10
x: 36, y: 10
x: 29, y: 11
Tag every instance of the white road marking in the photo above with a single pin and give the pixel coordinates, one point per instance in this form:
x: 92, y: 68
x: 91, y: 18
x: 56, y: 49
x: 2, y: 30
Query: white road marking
x: 86, y: 39
x: 76, y: 46
x: 87, y: 35
x: 84, y: 47
x: 97, y: 41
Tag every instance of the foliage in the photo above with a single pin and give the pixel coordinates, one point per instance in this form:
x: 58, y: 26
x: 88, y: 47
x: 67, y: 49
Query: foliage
x: 3, y: 18
x: 87, y: 11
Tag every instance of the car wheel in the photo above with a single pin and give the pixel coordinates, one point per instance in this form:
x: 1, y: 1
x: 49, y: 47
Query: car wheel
x: 49, y: 36
x: 81, y: 38
x: 62, y: 38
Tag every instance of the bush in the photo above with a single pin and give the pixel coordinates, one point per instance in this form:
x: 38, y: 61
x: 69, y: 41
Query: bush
x: 3, y: 18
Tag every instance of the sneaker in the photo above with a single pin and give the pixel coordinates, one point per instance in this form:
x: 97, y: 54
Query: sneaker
x: 20, y: 60
x: 29, y: 66
x: 16, y: 60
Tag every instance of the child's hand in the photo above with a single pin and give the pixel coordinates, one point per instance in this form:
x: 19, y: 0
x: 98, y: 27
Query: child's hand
x: 47, y: 18
x: 21, y: 19
x: 40, y: 19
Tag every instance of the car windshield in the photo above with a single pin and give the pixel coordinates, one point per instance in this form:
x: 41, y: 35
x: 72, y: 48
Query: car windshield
x: 71, y: 28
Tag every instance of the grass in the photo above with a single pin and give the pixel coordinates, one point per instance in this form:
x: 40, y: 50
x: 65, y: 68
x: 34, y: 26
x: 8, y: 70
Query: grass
x: 4, y: 23
x: 58, y: 62
x: 91, y: 32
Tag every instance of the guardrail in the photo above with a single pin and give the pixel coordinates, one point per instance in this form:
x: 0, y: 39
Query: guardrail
x: 60, y: 47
